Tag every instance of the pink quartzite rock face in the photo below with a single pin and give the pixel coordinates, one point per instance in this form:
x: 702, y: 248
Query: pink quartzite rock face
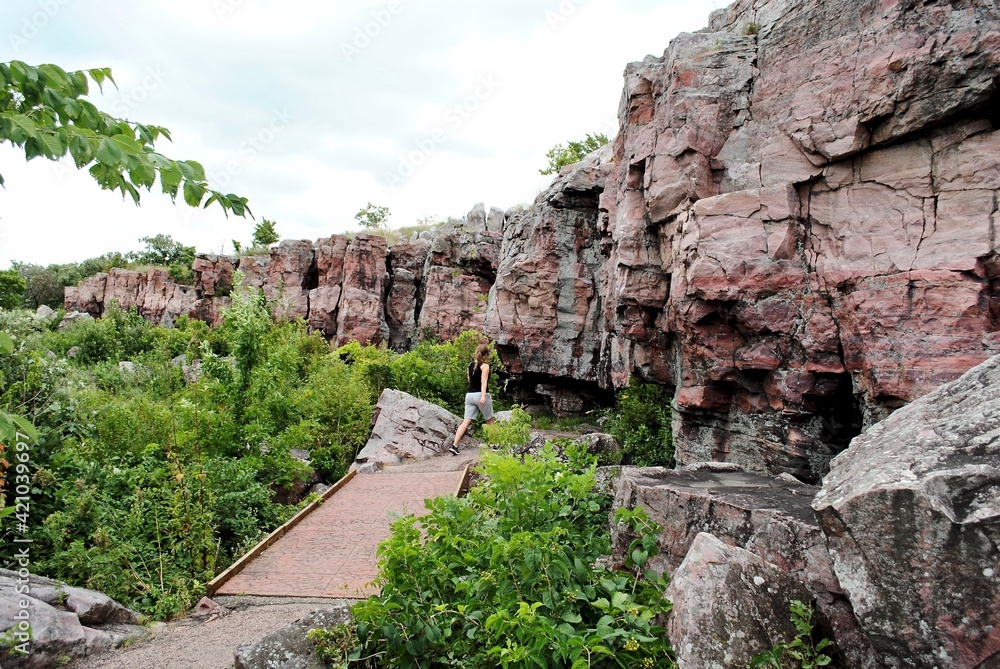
x: 361, y: 317
x: 795, y: 228
x: 406, y: 267
x: 435, y: 285
x: 288, y: 279
x: 772, y: 518
x: 728, y: 606
x: 213, y: 275
x: 324, y: 299
x: 912, y: 514
x: 545, y: 310
x: 457, y: 276
x: 88, y: 297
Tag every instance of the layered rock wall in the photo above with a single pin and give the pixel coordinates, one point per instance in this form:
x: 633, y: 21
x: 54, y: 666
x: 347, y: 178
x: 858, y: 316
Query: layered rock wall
x: 795, y: 228
x: 434, y: 285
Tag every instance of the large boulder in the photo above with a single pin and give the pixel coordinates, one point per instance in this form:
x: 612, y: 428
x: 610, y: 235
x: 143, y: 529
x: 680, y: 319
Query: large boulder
x: 728, y: 605
x: 770, y: 517
x: 912, y: 515
x: 407, y: 428
x: 65, y: 622
x: 290, y: 647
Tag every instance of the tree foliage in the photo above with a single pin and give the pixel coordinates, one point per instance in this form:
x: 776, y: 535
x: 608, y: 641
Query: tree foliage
x: 163, y: 250
x: 559, y: 156
x: 265, y: 234
x: 372, y: 216
x: 11, y: 289
x: 44, y: 111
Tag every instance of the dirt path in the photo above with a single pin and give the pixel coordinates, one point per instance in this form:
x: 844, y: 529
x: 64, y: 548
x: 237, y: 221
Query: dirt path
x: 208, y: 642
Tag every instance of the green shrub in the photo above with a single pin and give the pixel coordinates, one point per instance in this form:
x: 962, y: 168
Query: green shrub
x: 12, y: 287
x: 508, y: 433
x: 119, y: 335
x: 801, y: 652
x: 641, y: 421
x: 509, y: 576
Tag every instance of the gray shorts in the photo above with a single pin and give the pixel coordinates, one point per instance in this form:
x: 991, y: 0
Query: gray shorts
x: 472, y: 408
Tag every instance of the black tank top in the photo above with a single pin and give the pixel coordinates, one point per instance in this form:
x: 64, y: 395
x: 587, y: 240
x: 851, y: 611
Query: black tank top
x: 475, y: 378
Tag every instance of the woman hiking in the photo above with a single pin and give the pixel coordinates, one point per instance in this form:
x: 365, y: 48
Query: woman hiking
x: 477, y: 399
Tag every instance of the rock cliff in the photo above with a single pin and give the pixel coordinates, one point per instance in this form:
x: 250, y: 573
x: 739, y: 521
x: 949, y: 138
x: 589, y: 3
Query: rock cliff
x: 348, y: 289
x: 795, y: 228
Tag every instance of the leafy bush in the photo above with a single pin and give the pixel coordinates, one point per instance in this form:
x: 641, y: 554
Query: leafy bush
x: 507, y: 433
x: 560, y: 156
x: 119, y: 335
x: 12, y: 287
x: 641, y: 421
x: 509, y: 576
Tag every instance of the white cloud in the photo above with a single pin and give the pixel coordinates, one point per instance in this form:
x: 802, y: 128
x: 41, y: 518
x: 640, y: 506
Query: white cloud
x: 217, y: 72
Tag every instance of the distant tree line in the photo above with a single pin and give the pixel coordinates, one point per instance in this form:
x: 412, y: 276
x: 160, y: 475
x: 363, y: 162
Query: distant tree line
x: 30, y: 285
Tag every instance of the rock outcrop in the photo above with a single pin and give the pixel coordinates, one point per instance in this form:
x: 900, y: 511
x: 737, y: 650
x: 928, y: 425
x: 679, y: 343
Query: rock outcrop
x: 729, y: 605
x: 912, y: 514
x: 65, y: 622
x: 772, y: 518
x: 794, y: 228
x: 433, y: 285
x: 406, y: 428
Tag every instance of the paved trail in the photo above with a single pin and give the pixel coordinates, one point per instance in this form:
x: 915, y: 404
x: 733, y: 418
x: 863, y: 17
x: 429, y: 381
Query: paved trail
x: 329, y: 555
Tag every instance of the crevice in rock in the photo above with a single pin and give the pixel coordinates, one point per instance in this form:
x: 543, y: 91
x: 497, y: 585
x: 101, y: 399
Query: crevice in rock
x: 840, y: 412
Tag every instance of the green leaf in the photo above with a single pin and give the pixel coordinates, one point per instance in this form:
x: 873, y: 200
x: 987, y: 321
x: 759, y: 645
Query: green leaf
x: 110, y: 153
x: 619, y: 599
x: 572, y: 617
x: 24, y: 123
x: 55, y: 76
x: 127, y: 144
x: 194, y: 193
x: 53, y: 146
x: 6, y: 343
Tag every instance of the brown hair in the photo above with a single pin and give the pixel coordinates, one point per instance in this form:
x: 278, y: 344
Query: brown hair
x: 482, y: 354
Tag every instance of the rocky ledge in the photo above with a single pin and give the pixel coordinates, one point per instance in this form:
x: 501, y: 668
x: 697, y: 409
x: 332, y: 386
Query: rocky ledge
x: 898, y: 549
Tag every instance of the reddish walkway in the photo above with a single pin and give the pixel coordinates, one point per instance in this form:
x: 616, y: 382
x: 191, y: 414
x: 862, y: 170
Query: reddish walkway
x: 331, y: 552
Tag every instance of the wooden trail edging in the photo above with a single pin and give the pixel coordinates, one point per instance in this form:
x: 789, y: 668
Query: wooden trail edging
x: 333, y: 553
x: 220, y: 580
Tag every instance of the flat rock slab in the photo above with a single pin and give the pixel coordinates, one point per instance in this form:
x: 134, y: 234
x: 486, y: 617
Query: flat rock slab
x: 331, y: 552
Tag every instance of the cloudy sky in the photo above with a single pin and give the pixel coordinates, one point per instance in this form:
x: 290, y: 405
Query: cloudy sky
x: 312, y: 109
